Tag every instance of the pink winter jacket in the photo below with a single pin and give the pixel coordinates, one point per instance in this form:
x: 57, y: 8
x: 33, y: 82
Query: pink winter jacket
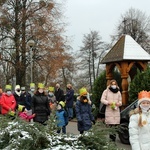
x: 112, y: 116
x: 25, y: 116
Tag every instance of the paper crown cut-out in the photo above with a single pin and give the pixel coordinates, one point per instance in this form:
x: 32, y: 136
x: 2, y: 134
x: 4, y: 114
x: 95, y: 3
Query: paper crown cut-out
x: 83, y: 91
x: 32, y: 85
x: 8, y: 87
x: 51, y: 89
x: 40, y: 85
x: 21, y: 107
x: 62, y: 103
x: 143, y: 95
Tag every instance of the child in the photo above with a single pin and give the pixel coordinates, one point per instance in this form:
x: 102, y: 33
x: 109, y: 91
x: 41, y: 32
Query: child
x: 23, y: 113
x: 51, y: 98
x: 139, y: 125
x: 8, y: 102
x: 62, y: 117
x: 83, y: 112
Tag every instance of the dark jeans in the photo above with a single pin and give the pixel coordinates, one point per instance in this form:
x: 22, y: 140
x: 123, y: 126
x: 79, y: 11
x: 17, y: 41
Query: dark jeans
x: 63, y: 130
x: 70, y: 112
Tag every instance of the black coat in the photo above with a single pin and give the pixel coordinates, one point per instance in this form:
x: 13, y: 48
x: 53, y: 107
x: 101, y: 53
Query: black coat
x: 41, y: 108
x: 19, y: 99
x: 69, y: 98
x: 27, y: 98
x: 59, y: 95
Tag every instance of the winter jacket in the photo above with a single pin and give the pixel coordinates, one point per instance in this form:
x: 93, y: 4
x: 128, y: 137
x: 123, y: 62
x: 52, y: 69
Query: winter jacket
x: 40, y: 106
x: 7, y: 102
x: 62, y: 118
x: 69, y: 98
x: 26, y: 98
x: 24, y: 116
x: 111, y: 116
x: 139, y: 136
x: 59, y: 93
x: 84, y: 115
x: 19, y: 99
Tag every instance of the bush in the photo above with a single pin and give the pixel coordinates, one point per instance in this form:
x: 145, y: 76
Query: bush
x: 18, y: 134
x: 140, y: 82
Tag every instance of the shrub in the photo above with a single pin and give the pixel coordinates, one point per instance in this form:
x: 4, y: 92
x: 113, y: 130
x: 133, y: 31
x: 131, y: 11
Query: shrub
x: 140, y: 82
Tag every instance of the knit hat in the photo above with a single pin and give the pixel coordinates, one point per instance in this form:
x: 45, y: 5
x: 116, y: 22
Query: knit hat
x: 8, y: 87
x: 143, y: 96
x: 32, y: 85
x: 17, y: 87
x: 40, y: 85
x: 83, y: 91
x: 62, y: 104
x: 51, y: 89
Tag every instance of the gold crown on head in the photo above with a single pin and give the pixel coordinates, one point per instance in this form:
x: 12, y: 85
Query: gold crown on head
x: 143, y: 96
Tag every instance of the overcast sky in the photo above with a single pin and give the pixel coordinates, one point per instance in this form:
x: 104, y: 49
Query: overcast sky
x: 83, y: 16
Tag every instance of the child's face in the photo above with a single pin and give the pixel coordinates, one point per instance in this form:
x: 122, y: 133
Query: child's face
x: 58, y: 107
x: 145, y: 103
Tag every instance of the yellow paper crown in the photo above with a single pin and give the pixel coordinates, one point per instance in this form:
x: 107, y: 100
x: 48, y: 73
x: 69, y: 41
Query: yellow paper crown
x: 83, y: 91
x: 62, y: 103
x: 21, y: 107
x: 51, y: 89
x: 32, y: 85
x: 40, y: 85
x: 8, y: 87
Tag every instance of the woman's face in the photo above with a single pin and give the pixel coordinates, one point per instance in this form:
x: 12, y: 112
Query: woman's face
x: 145, y: 103
x: 41, y: 90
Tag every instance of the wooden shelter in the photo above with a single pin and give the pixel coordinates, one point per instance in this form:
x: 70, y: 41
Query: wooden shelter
x: 126, y: 55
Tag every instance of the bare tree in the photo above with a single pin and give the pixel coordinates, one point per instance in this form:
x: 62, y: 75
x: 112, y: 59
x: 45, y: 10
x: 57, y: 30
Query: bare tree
x: 22, y: 20
x: 92, y: 45
x: 137, y: 24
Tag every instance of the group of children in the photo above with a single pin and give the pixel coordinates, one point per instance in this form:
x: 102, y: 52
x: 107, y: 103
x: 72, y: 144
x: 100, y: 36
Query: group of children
x: 10, y: 106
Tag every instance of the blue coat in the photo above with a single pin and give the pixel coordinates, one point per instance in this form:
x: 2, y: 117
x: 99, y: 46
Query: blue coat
x: 69, y: 98
x: 84, y: 116
x: 62, y: 118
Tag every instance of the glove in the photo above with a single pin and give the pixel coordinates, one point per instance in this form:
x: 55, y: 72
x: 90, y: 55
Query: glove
x: 80, y: 122
x: 93, y: 121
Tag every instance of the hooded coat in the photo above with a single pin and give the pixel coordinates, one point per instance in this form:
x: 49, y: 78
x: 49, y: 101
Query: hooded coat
x: 40, y: 107
x: 84, y: 115
x: 7, y: 102
x: 140, y: 136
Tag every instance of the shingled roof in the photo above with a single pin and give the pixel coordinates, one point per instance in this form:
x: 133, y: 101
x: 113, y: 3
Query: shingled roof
x: 126, y: 48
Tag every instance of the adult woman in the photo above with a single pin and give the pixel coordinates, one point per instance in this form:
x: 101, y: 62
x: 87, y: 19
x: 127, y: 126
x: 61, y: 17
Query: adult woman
x: 139, y: 125
x: 69, y: 101
x: 40, y: 105
x: 111, y: 97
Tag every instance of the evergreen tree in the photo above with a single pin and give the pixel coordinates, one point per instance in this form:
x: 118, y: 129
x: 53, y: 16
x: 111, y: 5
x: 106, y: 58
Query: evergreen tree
x: 140, y: 82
